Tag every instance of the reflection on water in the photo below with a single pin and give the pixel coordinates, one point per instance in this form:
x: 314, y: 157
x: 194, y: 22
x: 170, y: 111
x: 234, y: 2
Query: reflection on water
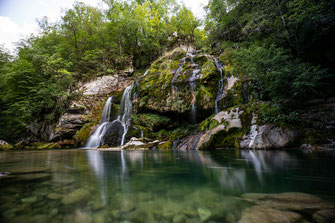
x: 151, y: 186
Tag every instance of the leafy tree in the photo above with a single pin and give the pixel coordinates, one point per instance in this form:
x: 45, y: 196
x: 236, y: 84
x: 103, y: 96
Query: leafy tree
x: 278, y: 77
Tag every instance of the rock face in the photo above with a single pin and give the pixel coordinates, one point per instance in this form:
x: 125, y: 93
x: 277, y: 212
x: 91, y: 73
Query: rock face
x: 178, y: 91
x: 267, y: 136
x: 105, y: 85
x: 235, y: 128
x: 87, y: 107
x: 180, y: 82
x: 226, y: 121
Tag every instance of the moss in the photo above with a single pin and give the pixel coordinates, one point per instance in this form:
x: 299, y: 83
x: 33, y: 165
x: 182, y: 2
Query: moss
x: 232, y: 137
x: 171, y: 135
x: 154, y: 121
x: 165, y: 145
x: 223, y: 139
x: 234, y: 96
x: 205, y: 97
x: 209, y: 70
x: 157, y: 92
x: 6, y: 147
x: 177, y: 54
x: 208, y: 124
x: 83, y: 134
x: 42, y: 146
x: 200, y: 60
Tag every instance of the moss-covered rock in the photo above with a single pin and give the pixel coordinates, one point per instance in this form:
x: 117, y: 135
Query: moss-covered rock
x: 154, y: 121
x: 165, y: 145
x: 45, y: 145
x: 83, y: 134
x: 5, y: 146
x: 176, y: 82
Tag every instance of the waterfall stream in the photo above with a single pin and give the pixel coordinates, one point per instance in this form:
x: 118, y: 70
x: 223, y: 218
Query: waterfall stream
x: 124, y: 118
x: 193, y: 86
x: 125, y: 110
x: 220, y: 95
x: 106, y: 113
x: 95, y: 140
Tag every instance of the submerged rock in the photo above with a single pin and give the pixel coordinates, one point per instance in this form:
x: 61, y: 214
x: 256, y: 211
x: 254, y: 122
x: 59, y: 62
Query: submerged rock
x: 54, y: 196
x: 76, y: 196
x: 263, y: 214
x: 290, y: 201
x: 273, y: 207
x: 324, y: 216
x: 204, y: 214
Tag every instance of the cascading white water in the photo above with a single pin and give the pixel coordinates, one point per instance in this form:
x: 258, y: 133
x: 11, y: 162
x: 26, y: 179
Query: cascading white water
x: 220, y: 95
x: 125, y: 110
x: 193, y: 86
x: 95, y: 140
x: 123, y: 118
x: 106, y: 113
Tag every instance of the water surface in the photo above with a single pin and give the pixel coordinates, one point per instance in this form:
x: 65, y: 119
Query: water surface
x: 153, y: 186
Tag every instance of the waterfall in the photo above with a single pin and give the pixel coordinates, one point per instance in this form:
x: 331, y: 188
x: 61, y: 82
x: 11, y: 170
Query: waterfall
x: 123, y: 118
x: 125, y: 110
x: 220, y: 95
x: 106, y: 113
x: 193, y: 86
x: 95, y: 140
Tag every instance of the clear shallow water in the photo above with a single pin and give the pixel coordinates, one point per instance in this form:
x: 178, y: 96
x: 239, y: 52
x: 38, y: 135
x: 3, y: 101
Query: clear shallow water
x: 137, y: 186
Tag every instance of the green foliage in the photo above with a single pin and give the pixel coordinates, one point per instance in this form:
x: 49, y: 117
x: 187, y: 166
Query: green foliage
x: 38, y: 82
x: 154, y: 121
x: 272, y: 113
x: 304, y: 27
x: 208, y: 124
x: 278, y: 77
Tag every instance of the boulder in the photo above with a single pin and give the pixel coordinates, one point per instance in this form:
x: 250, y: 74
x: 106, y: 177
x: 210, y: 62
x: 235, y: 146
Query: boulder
x: 299, y: 202
x: 179, y: 81
x: 227, y: 120
x: 324, y: 216
x: 267, y: 136
x: 113, y: 135
x: 263, y: 214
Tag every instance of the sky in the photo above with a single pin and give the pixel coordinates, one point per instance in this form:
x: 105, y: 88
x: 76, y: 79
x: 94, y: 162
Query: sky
x: 18, y: 17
